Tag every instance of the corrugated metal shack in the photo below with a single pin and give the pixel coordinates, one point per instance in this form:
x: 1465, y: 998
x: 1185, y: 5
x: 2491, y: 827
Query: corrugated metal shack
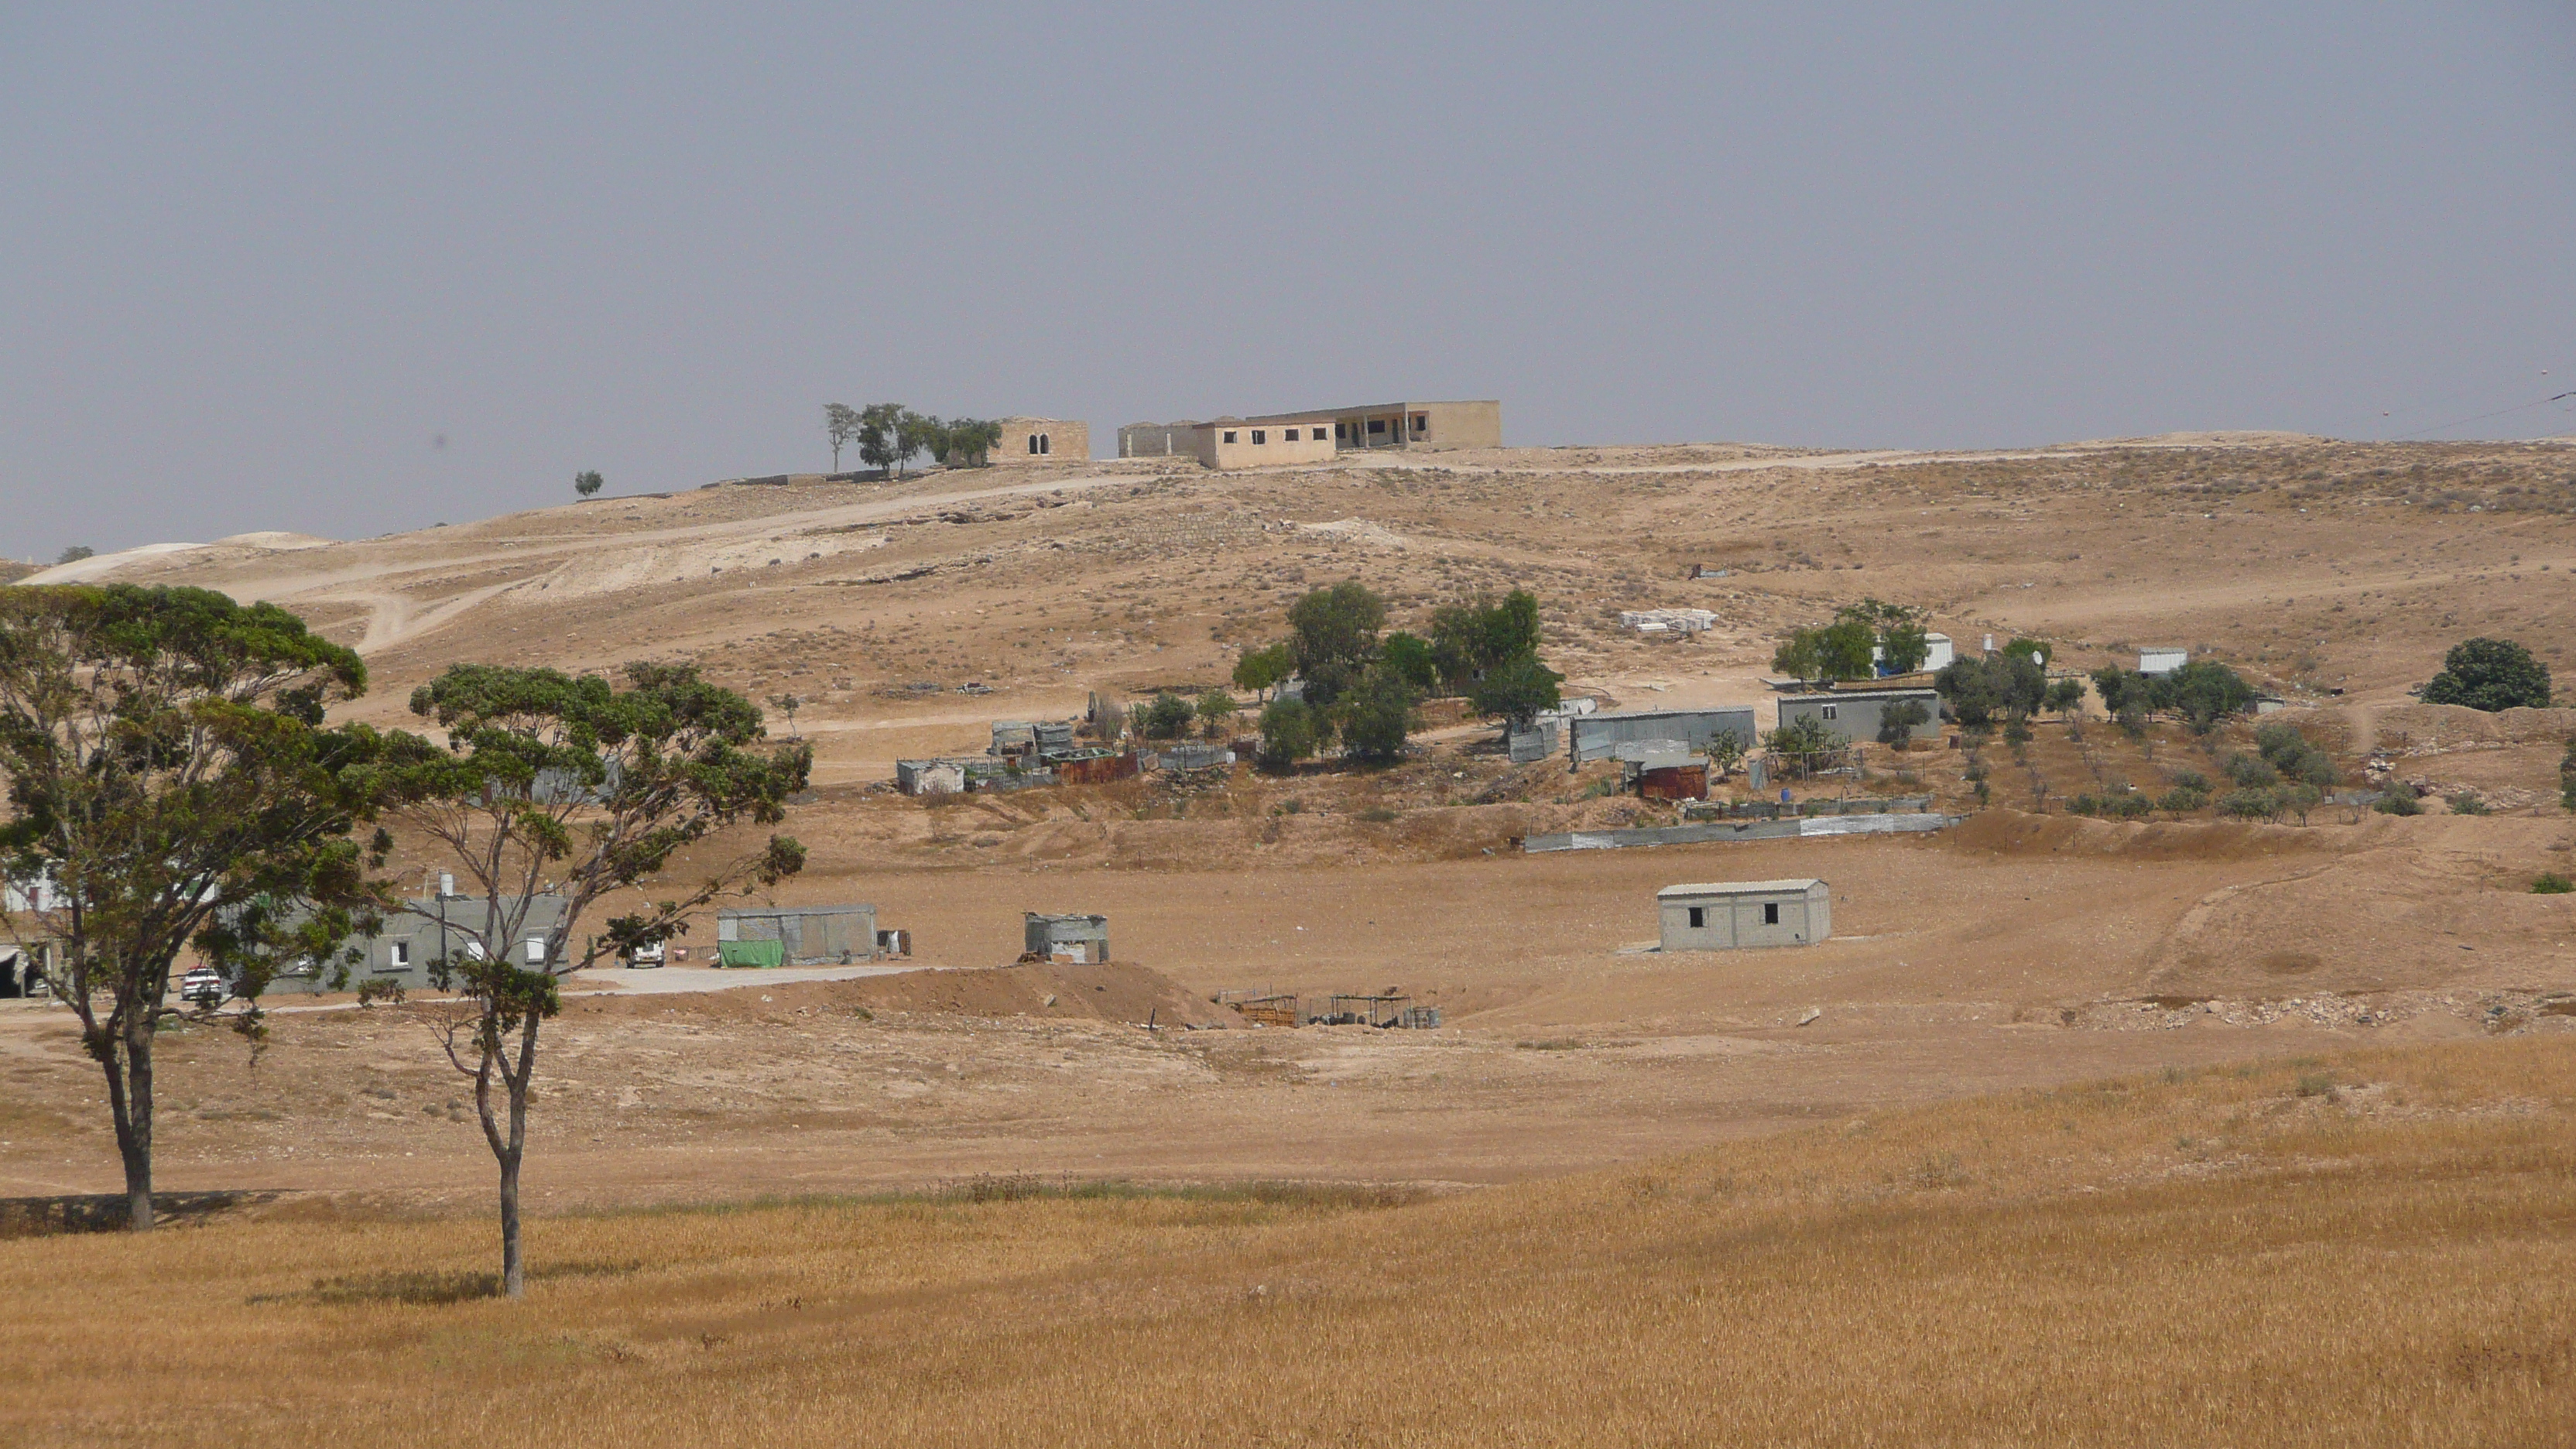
x: 796, y: 936
x: 1092, y: 766
x: 1596, y: 736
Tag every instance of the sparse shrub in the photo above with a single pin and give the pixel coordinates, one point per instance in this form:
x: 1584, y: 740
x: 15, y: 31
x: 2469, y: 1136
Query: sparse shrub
x: 2249, y: 805
x: 2316, y: 1084
x: 2183, y: 799
x: 2397, y: 800
x: 2250, y: 772
x: 2467, y: 802
x: 2288, y: 751
x: 2551, y: 884
x: 1379, y: 815
x: 2190, y: 780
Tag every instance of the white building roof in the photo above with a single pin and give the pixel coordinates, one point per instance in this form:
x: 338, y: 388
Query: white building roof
x: 1739, y: 888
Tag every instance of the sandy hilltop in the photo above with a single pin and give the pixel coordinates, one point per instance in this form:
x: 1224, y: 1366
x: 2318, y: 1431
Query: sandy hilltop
x: 2354, y: 973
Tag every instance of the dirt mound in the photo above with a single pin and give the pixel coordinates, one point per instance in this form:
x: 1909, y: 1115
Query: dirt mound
x: 2016, y: 833
x: 2417, y: 727
x: 1112, y: 991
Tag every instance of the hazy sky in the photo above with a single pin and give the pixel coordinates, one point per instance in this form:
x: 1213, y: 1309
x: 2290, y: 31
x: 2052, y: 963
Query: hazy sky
x: 349, y: 269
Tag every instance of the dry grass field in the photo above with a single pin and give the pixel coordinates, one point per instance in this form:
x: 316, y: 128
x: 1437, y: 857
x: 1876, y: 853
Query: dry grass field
x: 2078, y: 1131
x: 2364, y: 1248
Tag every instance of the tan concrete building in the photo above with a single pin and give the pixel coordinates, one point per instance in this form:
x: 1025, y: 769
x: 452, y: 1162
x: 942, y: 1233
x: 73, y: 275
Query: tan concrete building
x: 1253, y: 442
x: 1475, y: 423
x: 1159, y: 440
x: 1041, y: 440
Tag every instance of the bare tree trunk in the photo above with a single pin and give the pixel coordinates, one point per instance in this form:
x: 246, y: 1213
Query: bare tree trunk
x: 129, y: 1097
x: 514, y: 1265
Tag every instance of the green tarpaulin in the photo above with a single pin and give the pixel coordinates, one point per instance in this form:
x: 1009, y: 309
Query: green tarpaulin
x: 751, y: 953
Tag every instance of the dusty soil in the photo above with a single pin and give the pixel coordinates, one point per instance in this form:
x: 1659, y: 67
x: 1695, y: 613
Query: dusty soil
x: 2021, y: 949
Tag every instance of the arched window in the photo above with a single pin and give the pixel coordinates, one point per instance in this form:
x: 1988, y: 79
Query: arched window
x: 1033, y: 443
x: 1045, y: 444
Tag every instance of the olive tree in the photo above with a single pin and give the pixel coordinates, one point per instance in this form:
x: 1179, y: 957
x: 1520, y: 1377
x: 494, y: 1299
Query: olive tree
x: 170, y: 779
x: 563, y: 785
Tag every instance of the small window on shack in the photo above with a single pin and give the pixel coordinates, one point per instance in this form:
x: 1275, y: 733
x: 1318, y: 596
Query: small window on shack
x: 1033, y: 443
x: 1421, y: 423
x: 1046, y: 444
x: 1832, y: 711
x: 1770, y: 913
x: 399, y: 954
x: 1377, y: 425
x: 1341, y: 431
x: 1229, y: 437
x: 1289, y: 436
x: 1698, y: 917
x: 1260, y: 435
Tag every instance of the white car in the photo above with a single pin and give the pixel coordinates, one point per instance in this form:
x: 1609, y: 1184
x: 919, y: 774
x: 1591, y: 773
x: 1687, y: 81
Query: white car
x: 205, y: 984
x: 644, y: 958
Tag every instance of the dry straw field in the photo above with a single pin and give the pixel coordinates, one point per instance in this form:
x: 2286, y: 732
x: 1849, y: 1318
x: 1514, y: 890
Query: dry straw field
x: 2368, y: 1248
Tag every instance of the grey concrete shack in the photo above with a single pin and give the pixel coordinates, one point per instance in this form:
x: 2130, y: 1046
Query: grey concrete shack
x: 1858, y: 714
x: 1733, y: 915
x: 796, y: 935
x: 1597, y: 736
x: 1080, y: 938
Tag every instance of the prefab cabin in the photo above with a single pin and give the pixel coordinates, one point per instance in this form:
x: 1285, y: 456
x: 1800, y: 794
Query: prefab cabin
x: 1735, y: 915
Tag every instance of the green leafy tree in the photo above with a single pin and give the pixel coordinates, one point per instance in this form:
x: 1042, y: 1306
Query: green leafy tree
x: 1516, y: 691
x: 1805, y: 735
x: 787, y: 704
x: 1413, y: 660
x: 1898, y: 722
x: 2038, y: 651
x: 1904, y: 646
x: 880, y: 434
x: 1982, y: 689
x: 2290, y: 753
x: 1725, y: 750
x: 2490, y: 674
x: 168, y: 774
x: 1217, y: 710
x: 587, y: 482
x: 2065, y: 697
x: 1291, y: 730
x: 551, y: 783
x: 1332, y: 635
x: 1470, y: 639
x: 916, y: 433
x: 966, y: 442
x: 1840, y: 650
x: 841, y: 426
x: 1377, y: 715
x: 74, y: 554
x: 1261, y: 670
x: 1166, y: 716
x: 2203, y: 692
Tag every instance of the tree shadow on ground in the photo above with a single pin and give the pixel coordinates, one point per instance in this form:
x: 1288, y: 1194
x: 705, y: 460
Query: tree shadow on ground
x: 38, y: 1217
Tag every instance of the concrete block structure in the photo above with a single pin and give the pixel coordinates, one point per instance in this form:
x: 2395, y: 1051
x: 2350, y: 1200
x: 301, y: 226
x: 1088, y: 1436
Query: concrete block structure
x: 1857, y: 714
x: 1027, y: 441
x: 1256, y: 442
x: 1738, y: 915
x: 1077, y: 938
x: 2162, y: 660
x: 796, y: 936
x: 1159, y: 440
x: 1474, y: 423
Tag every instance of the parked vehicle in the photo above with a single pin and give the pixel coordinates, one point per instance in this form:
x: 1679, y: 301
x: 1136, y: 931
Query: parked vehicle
x: 203, y: 984
x: 644, y: 958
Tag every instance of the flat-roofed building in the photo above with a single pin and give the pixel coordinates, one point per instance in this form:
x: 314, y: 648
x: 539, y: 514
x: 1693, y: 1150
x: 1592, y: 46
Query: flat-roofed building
x: 1735, y: 915
x: 1159, y: 440
x: 1474, y: 423
x: 1041, y: 440
x: 1255, y: 442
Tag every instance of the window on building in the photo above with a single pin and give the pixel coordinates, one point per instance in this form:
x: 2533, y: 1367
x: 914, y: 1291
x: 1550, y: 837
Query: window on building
x: 1045, y: 444
x: 1377, y: 425
x: 1033, y: 444
x: 1770, y: 913
x: 400, y: 955
x: 536, y: 946
x: 1229, y: 437
x: 1289, y: 436
x: 1830, y: 711
x: 1699, y: 917
x: 1341, y: 431
x: 1421, y: 424
x: 1260, y: 435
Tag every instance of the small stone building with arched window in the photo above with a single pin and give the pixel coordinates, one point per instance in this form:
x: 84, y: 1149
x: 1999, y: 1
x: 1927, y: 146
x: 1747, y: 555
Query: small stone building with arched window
x: 1041, y: 440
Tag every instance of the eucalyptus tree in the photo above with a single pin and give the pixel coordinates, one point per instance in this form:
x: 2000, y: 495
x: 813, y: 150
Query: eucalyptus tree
x: 566, y: 786
x: 170, y: 779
